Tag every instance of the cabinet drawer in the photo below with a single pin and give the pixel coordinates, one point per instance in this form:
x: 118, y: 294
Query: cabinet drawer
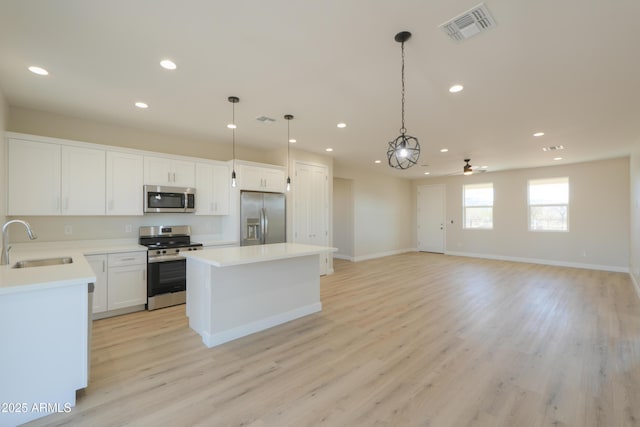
x: 127, y: 258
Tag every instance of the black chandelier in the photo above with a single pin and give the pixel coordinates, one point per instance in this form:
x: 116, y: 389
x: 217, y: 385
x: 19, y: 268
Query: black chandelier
x: 403, y: 151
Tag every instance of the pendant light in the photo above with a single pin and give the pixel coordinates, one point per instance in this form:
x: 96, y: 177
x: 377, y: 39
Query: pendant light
x: 233, y: 100
x: 403, y: 151
x: 288, y: 118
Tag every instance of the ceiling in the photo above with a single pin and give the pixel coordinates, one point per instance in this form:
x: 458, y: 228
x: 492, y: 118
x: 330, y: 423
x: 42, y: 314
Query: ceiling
x: 567, y: 68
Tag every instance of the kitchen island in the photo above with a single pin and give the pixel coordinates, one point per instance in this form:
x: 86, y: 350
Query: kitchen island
x: 237, y: 291
x: 44, y: 328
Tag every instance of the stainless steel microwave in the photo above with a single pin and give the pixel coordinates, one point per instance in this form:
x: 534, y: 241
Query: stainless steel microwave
x: 158, y: 198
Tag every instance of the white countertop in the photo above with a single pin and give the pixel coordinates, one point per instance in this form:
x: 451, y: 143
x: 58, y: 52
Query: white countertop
x: 15, y: 280
x: 225, y: 257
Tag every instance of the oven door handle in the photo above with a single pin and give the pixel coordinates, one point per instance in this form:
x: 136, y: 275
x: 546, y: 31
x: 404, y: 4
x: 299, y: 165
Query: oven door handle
x: 166, y: 258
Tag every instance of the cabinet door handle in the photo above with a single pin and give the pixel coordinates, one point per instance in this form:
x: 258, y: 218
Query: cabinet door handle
x: 103, y: 265
x: 127, y: 259
x: 168, y: 176
x: 174, y: 177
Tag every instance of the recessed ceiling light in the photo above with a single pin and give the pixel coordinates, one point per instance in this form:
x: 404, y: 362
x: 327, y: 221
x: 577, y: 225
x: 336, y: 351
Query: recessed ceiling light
x: 328, y: 149
x: 538, y: 134
x: 38, y: 70
x: 378, y: 161
x: 142, y: 105
x: 456, y: 88
x: 293, y: 141
x: 168, y: 64
x: 484, y: 167
x: 557, y: 158
x: 231, y: 126
x: 427, y: 173
x: 444, y: 150
x: 342, y: 125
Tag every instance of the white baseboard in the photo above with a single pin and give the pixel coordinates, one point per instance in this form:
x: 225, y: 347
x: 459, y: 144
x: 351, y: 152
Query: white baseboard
x: 381, y: 254
x: 542, y: 261
x: 212, y: 340
x: 343, y: 256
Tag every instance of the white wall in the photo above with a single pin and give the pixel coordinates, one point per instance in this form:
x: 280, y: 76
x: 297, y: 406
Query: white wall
x: 598, y: 234
x: 634, y: 196
x: 66, y: 127
x: 382, y: 213
x: 343, y: 218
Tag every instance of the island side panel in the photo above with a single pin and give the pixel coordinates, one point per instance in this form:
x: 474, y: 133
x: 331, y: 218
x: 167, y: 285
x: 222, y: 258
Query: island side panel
x: 43, y: 357
x: 198, y: 297
x: 252, y: 297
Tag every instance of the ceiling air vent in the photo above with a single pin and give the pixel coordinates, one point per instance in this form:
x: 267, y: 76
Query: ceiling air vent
x: 553, y: 148
x: 265, y: 119
x: 469, y: 24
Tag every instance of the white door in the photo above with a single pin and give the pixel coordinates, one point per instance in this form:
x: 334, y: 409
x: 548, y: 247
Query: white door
x: 311, y: 213
x: 431, y: 218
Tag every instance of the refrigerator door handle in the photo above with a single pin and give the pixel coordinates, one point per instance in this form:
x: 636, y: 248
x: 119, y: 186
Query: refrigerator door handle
x: 266, y: 224
x: 261, y: 226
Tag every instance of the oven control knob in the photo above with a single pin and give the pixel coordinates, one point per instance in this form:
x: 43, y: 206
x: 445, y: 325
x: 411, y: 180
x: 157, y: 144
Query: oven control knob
x: 164, y: 252
x: 158, y: 252
x: 177, y: 250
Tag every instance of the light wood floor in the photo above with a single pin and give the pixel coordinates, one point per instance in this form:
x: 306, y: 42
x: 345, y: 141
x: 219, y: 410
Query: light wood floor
x: 417, y: 339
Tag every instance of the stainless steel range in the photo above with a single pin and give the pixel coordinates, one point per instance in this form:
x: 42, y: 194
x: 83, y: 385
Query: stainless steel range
x: 166, y: 268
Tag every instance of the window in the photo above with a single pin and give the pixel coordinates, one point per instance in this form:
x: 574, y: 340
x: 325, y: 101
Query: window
x: 478, y: 205
x: 549, y: 204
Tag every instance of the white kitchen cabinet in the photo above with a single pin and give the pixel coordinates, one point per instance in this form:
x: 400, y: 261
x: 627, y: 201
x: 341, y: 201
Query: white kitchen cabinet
x: 33, y: 178
x: 212, y: 189
x: 124, y: 183
x: 127, y: 278
x: 83, y: 181
x: 99, y: 265
x: 260, y: 178
x: 169, y: 172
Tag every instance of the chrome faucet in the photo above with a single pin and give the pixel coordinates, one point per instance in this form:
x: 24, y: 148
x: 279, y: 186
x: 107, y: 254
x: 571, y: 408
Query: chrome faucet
x: 5, y: 238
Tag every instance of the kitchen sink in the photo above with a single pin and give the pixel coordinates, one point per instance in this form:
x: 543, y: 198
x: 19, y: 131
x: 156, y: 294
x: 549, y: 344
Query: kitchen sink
x: 43, y: 262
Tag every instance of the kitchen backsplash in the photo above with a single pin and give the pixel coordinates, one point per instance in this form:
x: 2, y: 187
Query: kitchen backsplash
x: 54, y: 228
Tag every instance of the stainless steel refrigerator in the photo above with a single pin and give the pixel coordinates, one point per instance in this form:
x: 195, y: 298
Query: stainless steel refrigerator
x: 262, y: 218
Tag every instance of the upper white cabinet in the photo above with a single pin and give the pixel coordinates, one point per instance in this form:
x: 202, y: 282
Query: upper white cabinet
x: 83, y: 181
x: 260, y: 178
x: 212, y: 189
x: 50, y: 179
x: 34, y: 178
x: 124, y: 183
x: 170, y: 172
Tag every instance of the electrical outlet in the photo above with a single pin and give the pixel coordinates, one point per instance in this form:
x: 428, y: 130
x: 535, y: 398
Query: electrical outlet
x: 68, y: 229
x: 127, y: 228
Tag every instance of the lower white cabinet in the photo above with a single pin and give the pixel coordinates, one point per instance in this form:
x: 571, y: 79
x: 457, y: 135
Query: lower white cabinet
x: 99, y: 265
x: 127, y: 277
x: 121, y: 281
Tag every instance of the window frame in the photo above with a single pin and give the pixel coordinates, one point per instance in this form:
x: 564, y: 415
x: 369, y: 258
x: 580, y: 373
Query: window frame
x: 465, y: 207
x: 543, y: 205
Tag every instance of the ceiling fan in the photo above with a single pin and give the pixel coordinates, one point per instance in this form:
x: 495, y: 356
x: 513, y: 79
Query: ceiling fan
x: 467, y: 169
